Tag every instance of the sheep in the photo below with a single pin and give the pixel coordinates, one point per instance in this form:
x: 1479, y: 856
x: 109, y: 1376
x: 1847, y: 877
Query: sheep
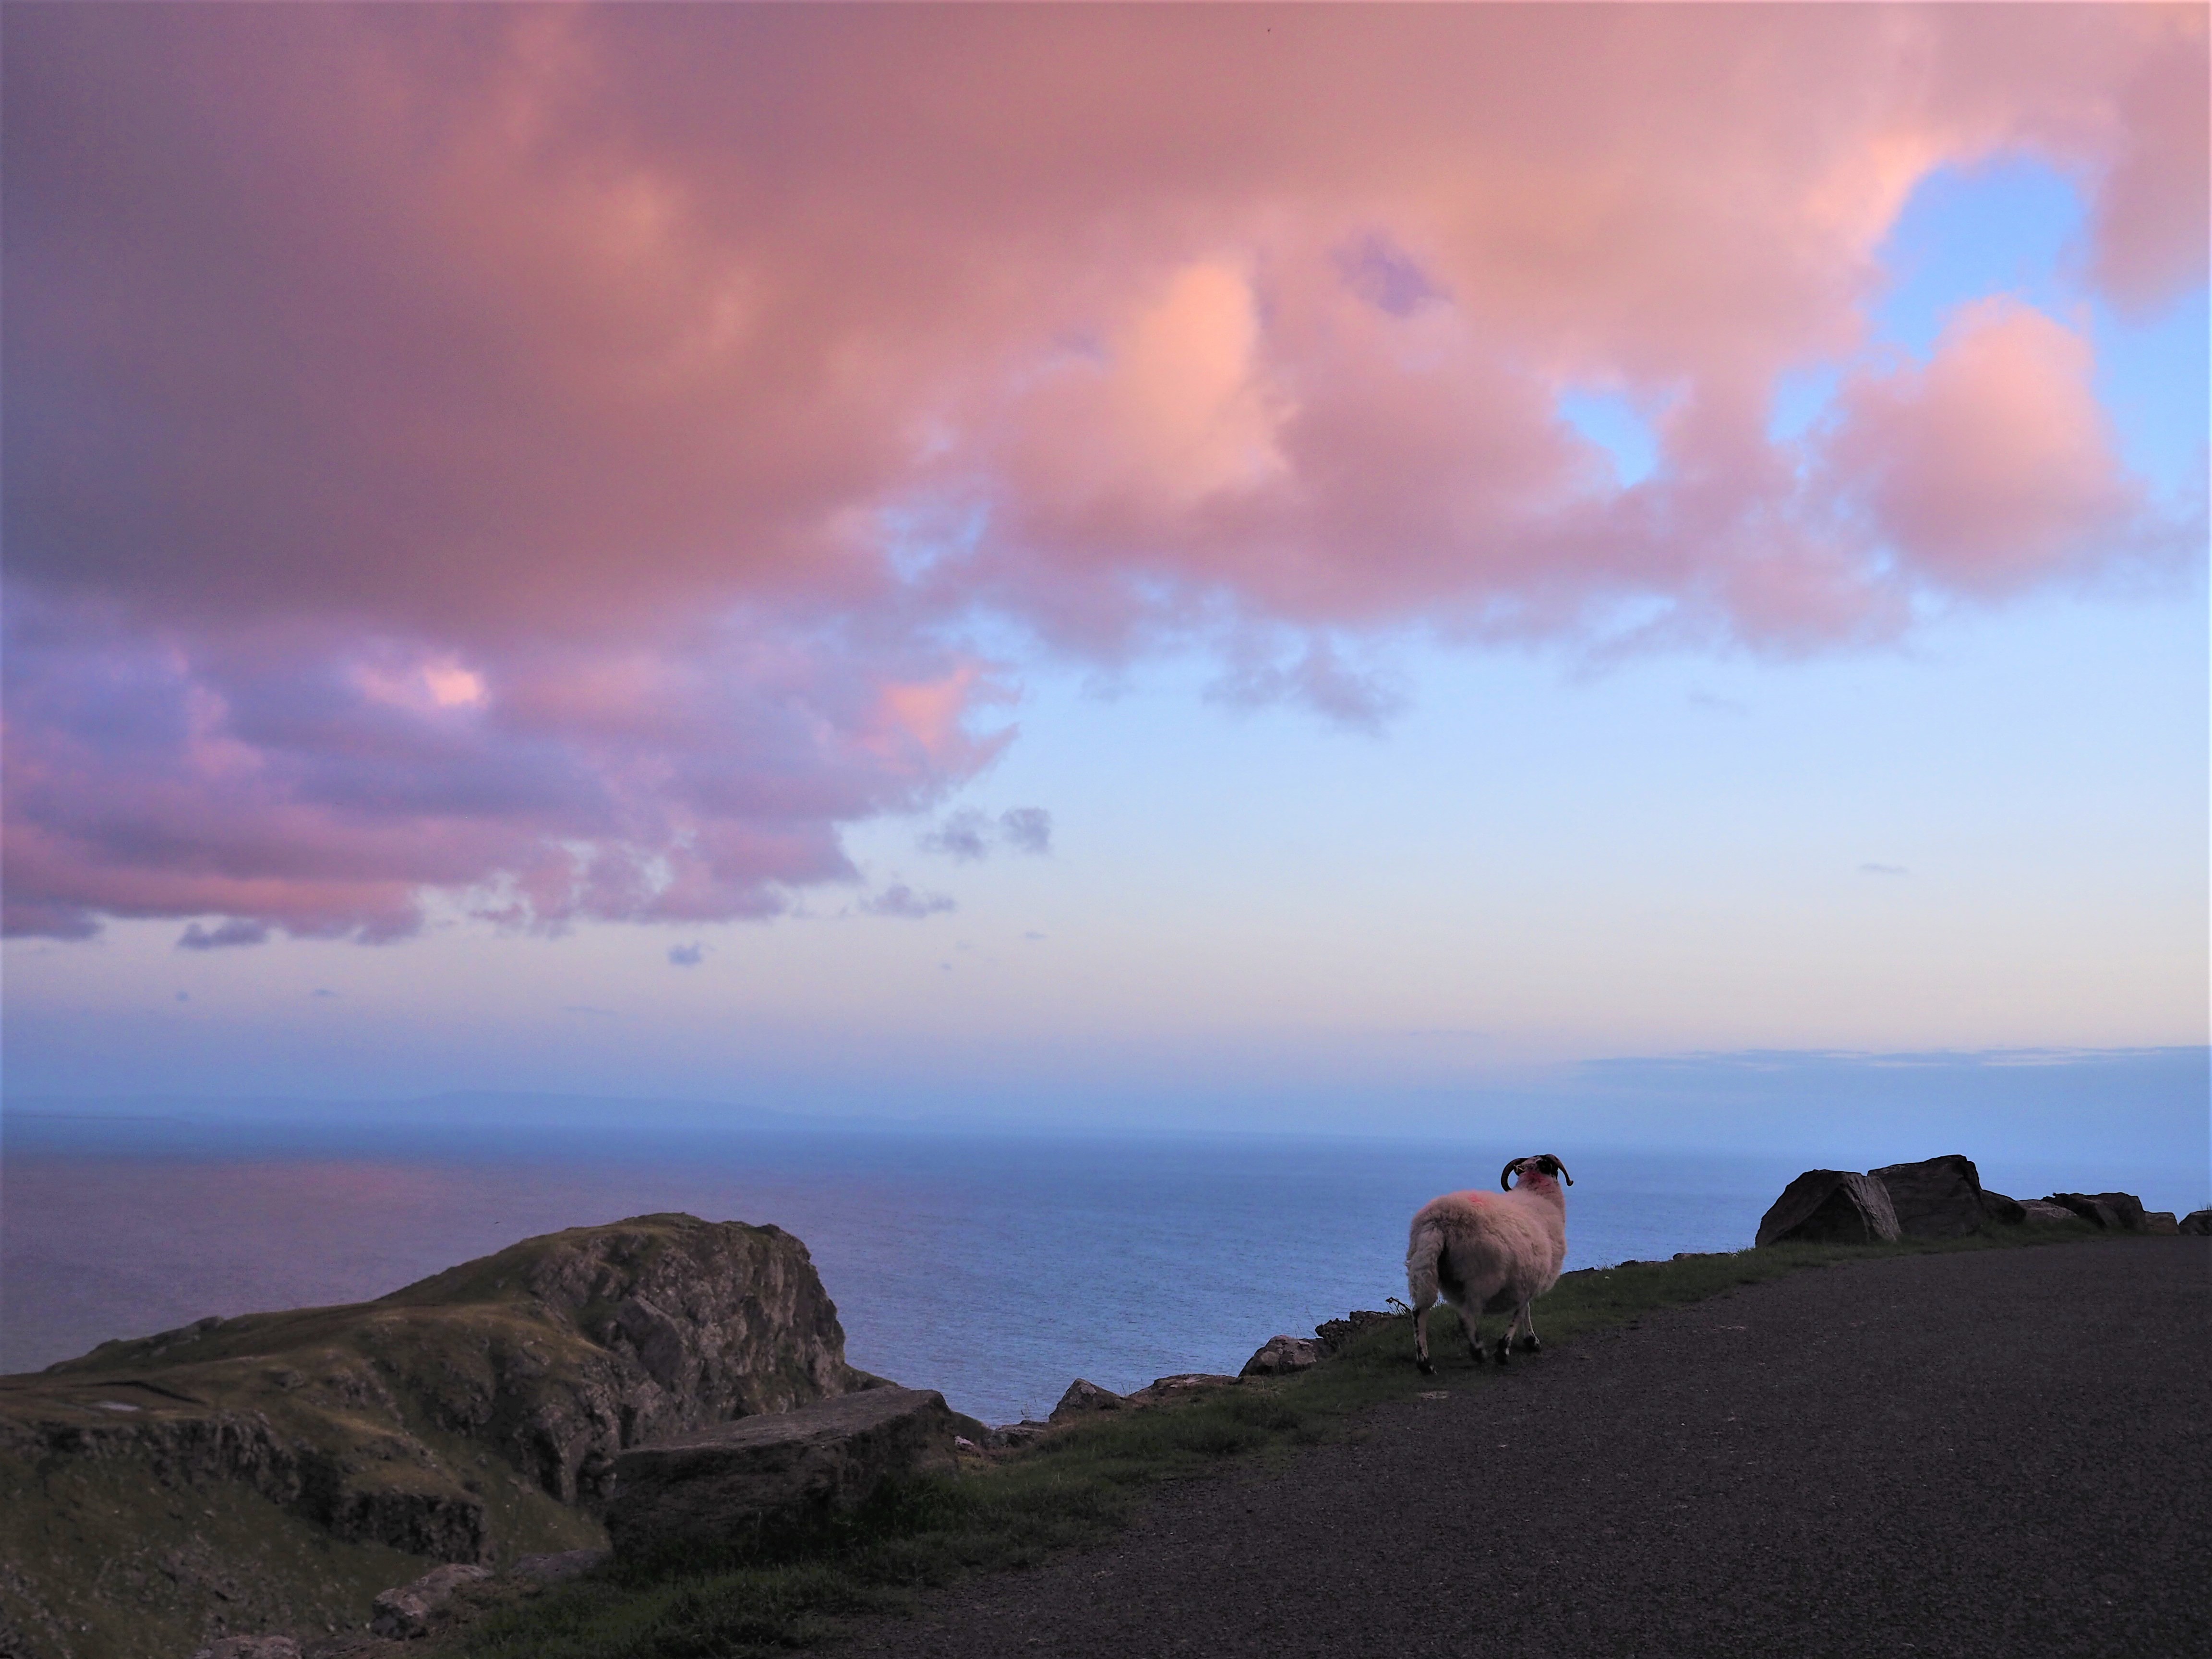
x: 1489, y: 1252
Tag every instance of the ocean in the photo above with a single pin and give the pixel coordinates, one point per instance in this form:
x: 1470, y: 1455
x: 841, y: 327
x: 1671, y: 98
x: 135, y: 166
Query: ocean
x: 994, y: 1267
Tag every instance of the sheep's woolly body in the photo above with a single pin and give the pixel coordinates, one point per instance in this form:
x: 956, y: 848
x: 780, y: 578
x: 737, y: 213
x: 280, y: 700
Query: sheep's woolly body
x: 1487, y: 1253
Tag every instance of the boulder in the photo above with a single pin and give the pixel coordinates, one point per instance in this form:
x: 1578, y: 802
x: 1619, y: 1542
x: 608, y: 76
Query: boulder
x: 1996, y: 1206
x: 1280, y: 1356
x: 1830, y: 1206
x: 2039, y: 1213
x: 2117, y: 1213
x: 1083, y: 1399
x: 2161, y: 1222
x: 2197, y: 1222
x: 410, y: 1611
x: 734, y: 1481
x: 251, y: 1647
x: 1335, y: 1335
x: 1181, y: 1386
x: 1024, y: 1433
x: 2127, y: 1206
x: 1936, y: 1198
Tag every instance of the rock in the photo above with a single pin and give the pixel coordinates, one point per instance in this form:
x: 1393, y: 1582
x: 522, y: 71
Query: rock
x: 1181, y: 1386
x: 2197, y: 1222
x: 408, y: 1611
x: 2161, y: 1222
x: 2007, y: 1212
x: 732, y: 1482
x: 1336, y: 1336
x: 1830, y: 1206
x: 2127, y: 1206
x: 1937, y: 1197
x: 2119, y: 1213
x: 1019, y: 1434
x: 251, y: 1647
x: 1085, y: 1400
x: 559, y: 1568
x: 1280, y: 1356
x: 2040, y: 1213
x: 388, y: 1423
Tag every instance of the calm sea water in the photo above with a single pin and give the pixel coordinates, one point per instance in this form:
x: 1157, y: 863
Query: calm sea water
x: 994, y: 1268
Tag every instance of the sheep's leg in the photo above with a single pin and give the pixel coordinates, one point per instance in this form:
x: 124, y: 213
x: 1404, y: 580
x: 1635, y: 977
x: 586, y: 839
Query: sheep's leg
x: 1423, y: 1301
x: 1530, y: 1342
x: 1470, y: 1320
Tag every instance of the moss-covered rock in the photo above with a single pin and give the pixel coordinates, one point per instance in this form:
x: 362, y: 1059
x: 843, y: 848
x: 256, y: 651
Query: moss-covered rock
x: 276, y: 1470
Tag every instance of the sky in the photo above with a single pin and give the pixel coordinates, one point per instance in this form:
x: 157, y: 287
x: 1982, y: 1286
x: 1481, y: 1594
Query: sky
x: 1208, y: 566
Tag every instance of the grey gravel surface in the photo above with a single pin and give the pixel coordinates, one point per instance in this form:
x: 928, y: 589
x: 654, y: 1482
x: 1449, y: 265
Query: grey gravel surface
x: 2003, y: 1453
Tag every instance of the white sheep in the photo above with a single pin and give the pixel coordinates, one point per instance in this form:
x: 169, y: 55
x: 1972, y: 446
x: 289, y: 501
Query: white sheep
x: 1487, y: 1252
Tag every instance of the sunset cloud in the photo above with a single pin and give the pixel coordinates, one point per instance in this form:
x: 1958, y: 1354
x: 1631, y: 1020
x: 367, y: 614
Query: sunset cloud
x: 560, y: 459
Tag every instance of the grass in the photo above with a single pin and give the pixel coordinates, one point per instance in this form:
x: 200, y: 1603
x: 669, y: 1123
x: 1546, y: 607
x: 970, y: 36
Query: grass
x: 1075, y: 1488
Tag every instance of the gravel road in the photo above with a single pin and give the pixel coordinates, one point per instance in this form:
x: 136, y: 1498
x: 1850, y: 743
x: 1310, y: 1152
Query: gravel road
x: 2006, y: 1453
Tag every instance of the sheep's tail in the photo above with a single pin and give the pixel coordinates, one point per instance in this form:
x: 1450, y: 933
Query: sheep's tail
x: 1423, y: 1250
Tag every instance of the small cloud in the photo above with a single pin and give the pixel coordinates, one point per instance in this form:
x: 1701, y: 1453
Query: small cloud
x: 686, y: 956
x: 184, y: 996
x: 236, y: 931
x: 322, y: 992
x: 902, y: 900
x: 1027, y: 828
x: 1717, y: 705
x: 1883, y: 869
x: 1318, y: 679
x: 1033, y: 934
x: 960, y: 836
x: 969, y: 835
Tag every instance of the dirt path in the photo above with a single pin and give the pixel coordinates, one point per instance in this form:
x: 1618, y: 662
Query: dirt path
x: 2007, y: 1453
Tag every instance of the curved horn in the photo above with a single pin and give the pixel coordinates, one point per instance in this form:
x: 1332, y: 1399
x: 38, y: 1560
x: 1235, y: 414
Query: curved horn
x: 1553, y: 1161
x: 1504, y: 1175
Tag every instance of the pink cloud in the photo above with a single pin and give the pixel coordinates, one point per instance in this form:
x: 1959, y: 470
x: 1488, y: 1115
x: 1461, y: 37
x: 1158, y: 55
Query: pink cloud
x: 490, y: 451
x: 1992, y: 466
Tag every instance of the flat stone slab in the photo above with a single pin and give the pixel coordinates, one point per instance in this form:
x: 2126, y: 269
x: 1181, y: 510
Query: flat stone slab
x: 731, y: 1481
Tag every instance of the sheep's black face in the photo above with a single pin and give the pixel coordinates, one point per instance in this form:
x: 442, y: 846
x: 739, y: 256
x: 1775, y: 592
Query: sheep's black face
x: 1543, y: 1164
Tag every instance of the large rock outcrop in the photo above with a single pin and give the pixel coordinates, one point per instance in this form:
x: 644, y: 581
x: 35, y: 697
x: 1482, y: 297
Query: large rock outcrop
x: 1936, y: 1198
x: 472, y: 1417
x: 1831, y: 1207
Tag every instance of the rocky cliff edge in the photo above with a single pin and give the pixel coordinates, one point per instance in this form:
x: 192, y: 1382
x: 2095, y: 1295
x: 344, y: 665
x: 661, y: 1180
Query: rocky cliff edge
x: 243, y: 1473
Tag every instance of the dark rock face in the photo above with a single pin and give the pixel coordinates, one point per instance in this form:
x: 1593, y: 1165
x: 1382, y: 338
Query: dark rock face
x: 2009, y: 1211
x: 1280, y: 1355
x: 2161, y: 1221
x: 1831, y: 1207
x: 730, y: 1483
x: 2196, y: 1224
x: 2038, y: 1213
x: 1937, y: 1197
x: 2119, y: 1213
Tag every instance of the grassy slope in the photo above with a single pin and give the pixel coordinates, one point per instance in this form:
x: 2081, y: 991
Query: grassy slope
x: 1077, y: 1486
x: 168, y: 1558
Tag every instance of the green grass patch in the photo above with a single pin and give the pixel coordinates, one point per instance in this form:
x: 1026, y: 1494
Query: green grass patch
x: 770, y: 1596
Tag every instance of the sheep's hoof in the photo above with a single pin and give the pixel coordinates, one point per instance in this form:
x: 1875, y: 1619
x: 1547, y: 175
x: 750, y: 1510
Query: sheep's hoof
x: 1531, y: 1344
x: 1422, y: 1365
x: 1504, y: 1352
